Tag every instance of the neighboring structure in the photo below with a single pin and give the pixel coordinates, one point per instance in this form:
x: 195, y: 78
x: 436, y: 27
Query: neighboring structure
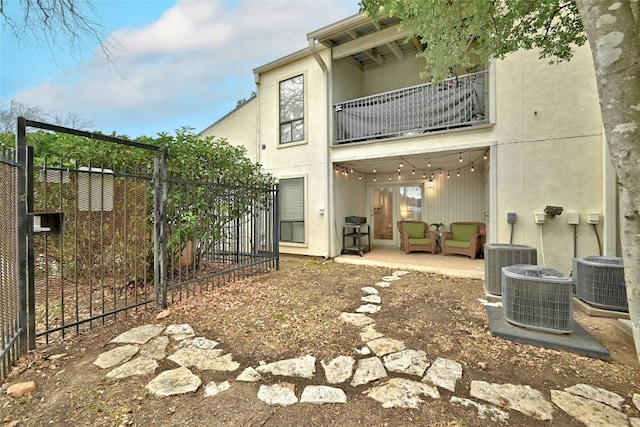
x: 350, y: 129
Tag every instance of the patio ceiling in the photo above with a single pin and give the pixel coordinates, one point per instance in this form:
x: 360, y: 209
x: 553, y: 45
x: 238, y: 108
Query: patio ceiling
x: 366, y: 42
x: 445, y: 162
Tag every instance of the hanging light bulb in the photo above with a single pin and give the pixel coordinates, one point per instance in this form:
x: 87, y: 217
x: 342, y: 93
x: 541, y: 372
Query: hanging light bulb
x: 389, y: 177
x: 472, y: 168
x: 424, y: 174
x: 485, y: 155
x: 460, y: 159
x: 432, y: 175
x: 351, y: 170
x: 428, y: 163
x: 375, y: 178
x: 374, y: 170
x: 458, y: 174
x: 440, y: 172
x: 414, y: 171
x: 401, y: 164
x: 399, y: 176
x: 448, y: 176
x: 360, y: 177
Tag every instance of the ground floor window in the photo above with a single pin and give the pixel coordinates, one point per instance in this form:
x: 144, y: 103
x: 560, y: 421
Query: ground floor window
x: 291, y: 208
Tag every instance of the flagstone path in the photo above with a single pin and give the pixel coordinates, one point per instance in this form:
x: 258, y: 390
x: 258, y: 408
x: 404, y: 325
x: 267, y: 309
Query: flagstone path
x: 136, y: 352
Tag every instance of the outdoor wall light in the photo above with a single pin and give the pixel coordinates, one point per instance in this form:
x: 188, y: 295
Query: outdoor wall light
x: 552, y: 211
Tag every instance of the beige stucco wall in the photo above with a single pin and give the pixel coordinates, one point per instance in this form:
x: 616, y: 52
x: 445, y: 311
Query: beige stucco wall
x: 307, y: 158
x: 548, y: 152
x: 239, y: 128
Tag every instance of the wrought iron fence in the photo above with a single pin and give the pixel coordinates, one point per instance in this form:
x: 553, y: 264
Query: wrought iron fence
x: 12, y: 265
x: 102, y: 241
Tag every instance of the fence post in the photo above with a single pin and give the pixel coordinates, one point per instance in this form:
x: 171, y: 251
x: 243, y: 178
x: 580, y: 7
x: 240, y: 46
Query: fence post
x: 26, y: 319
x: 160, y: 230
x: 276, y: 225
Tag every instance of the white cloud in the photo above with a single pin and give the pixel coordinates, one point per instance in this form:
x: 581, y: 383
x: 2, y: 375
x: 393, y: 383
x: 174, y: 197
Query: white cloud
x: 187, y: 68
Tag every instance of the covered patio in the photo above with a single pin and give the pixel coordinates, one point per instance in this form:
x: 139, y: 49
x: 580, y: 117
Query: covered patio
x: 393, y: 257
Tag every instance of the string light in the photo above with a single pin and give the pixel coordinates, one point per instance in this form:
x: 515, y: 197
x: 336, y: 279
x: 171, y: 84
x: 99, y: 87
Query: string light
x: 375, y: 178
x: 401, y: 163
x: 428, y: 163
x: 374, y: 170
x: 485, y: 155
x: 360, y: 177
x: 414, y: 171
x: 424, y: 174
x: 458, y: 174
x: 460, y: 159
x: 389, y: 177
x: 472, y: 168
x: 448, y: 176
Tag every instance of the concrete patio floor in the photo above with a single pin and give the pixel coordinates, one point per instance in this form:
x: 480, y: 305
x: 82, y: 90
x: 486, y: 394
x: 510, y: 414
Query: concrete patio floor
x: 393, y: 257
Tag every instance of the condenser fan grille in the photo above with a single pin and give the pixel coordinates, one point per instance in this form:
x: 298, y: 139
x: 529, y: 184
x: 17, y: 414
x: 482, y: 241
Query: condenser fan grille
x: 600, y: 282
x: 498, y: 255
x: 537, y: 298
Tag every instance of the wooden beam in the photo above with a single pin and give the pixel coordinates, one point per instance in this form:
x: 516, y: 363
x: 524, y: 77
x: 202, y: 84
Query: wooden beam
x: 375, y: 56
x: 370, y: 41
x: 396, y: 50
x: 417, y: 44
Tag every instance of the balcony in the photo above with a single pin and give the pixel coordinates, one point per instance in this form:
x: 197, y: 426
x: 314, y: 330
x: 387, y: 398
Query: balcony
x: 454, y: 103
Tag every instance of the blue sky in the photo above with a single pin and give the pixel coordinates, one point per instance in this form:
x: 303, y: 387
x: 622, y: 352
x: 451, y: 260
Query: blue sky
x: 176, y: 63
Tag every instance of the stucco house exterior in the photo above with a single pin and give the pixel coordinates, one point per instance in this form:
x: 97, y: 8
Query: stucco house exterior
x: 349, y: 128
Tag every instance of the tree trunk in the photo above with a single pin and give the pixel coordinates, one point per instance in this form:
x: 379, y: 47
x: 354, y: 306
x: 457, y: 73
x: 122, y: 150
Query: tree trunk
x: 615, y: 45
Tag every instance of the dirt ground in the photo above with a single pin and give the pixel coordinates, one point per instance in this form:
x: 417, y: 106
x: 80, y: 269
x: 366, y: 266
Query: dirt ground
x: 294, y: 312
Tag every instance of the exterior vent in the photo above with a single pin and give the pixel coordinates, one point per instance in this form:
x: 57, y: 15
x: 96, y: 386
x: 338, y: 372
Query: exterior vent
x: 498, y: 255
x: 600, y: 282
x: 538, y: 298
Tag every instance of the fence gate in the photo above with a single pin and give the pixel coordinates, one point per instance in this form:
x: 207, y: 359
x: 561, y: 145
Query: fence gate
x: 85, y: 243
x: 12, y: 263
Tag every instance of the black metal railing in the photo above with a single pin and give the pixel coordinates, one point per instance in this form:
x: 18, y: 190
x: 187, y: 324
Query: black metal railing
x: 453, y: 103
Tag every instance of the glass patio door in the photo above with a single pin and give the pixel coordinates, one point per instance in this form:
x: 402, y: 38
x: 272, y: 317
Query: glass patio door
x: 390, y: 204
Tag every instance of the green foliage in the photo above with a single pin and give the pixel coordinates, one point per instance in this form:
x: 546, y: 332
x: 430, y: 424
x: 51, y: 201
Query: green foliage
x: 466, y: 33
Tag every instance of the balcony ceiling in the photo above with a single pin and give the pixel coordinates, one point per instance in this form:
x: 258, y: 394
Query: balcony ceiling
x: 448, y: 161
x: 366, y: 42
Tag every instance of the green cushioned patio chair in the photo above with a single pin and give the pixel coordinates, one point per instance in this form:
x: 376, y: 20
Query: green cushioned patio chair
x: 416, y: 236
x: 464, y: 238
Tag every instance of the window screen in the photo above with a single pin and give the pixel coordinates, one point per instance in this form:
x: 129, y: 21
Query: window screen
x: 292, y: 210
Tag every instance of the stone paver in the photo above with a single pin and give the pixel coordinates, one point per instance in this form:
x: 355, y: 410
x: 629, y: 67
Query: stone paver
x: 444, y: 373
x: 368, y: 308
x: 136, y: 367
x: 383, y: 346
x: 213, y: 388
x: 357, y: 319
x: 410, y: 362
x: 484, y: 411
x: 598, y: 394
x: 402, y: 393
x: 521, y: 398
x: 145, y: 345
x: 587, y: 411
x: 139, y: 334
x: 369, y: 369
x: 321, y: 394
x: 175, y: 381
x: 116, y: 356
x: 372, y: 299
x: 278, y: 394
x: 339, y: 369
x: 303, y: 367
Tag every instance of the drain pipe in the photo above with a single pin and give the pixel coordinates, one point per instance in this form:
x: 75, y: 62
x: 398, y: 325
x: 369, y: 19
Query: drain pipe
x: 330, y: 178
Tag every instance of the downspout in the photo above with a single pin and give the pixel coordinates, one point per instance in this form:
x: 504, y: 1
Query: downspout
x: 256, y: 80
x: 330, y: 179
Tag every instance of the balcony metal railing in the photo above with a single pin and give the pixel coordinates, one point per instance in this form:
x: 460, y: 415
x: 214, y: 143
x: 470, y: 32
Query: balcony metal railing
x: 453, y: 103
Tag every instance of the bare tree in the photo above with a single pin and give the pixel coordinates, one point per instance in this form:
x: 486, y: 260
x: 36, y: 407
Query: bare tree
x: 61, y: 24
x: 9, y: 116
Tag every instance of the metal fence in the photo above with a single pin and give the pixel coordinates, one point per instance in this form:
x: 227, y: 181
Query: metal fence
x: 12, y: 265
x: 102, y: 241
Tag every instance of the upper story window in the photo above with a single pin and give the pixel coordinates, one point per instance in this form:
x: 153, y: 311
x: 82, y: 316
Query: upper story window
x: 292, y: 109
